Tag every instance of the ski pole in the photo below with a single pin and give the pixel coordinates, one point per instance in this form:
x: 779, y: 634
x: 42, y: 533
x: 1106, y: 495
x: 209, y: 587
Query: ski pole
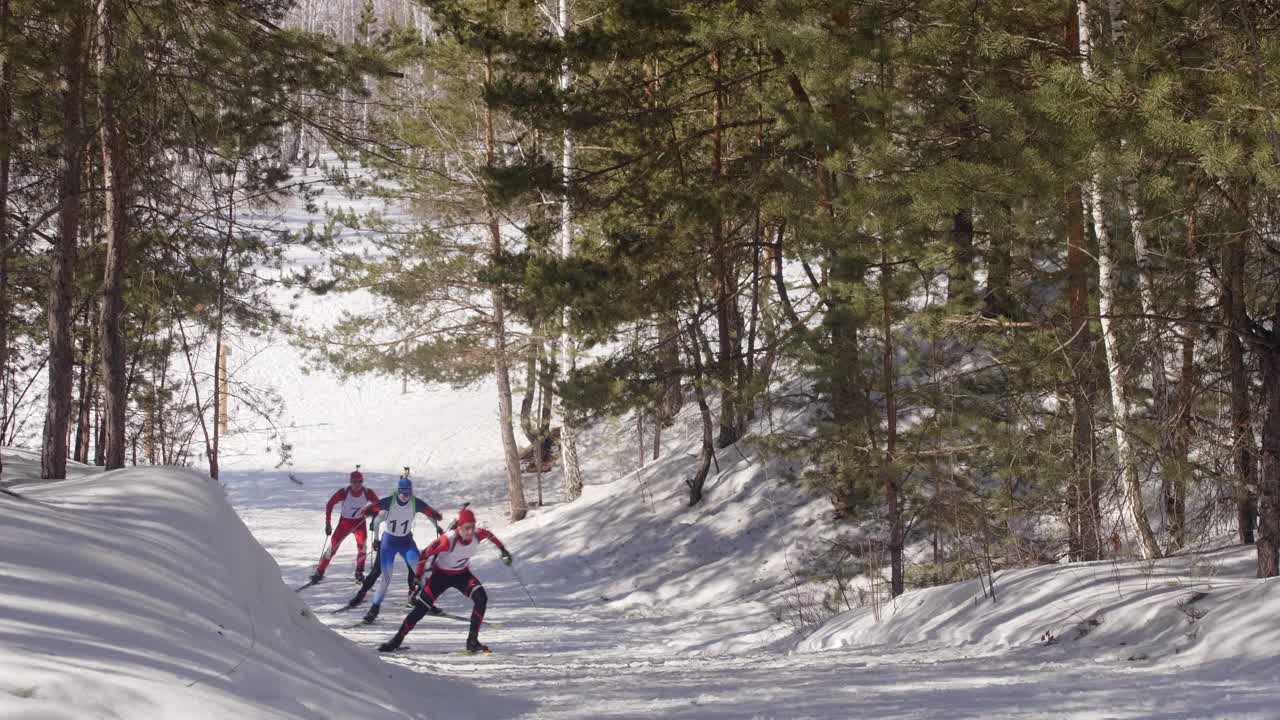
x: 522, y: 585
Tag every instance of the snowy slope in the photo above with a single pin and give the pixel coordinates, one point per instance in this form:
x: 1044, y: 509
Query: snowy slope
x: 1203, y: 612
x: 140, y: 593
x: 632, y: 545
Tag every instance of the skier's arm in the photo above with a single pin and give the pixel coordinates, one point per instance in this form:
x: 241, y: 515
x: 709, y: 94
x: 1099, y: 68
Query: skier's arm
x: 482, y: 535
x: 365, y: 511
x: 437, y: 546
x: 429, y: 511
x: 328, y: 510
x: 379, y: 509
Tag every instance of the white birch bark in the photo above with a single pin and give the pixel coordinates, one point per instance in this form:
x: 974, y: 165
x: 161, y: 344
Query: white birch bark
x: 1107, y: 285
x: 568, y: 424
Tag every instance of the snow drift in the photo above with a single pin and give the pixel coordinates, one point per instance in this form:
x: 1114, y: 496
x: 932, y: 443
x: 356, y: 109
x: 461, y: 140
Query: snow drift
x: 140, y: 593
x: 1202, y: 611
x: 633, y: 545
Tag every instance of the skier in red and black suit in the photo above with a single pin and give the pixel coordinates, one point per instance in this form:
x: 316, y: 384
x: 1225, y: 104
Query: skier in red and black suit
x: 450, y: 560
x: 353, y: 499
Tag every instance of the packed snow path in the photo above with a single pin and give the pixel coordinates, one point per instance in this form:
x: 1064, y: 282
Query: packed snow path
x: 576, y: 660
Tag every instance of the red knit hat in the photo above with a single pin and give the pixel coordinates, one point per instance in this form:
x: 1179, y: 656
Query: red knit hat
x: 466, y: 516
x: 357, y: 475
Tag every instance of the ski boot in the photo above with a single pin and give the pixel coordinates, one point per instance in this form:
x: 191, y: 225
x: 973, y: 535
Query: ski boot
x: 359, y: 577
x: 393, y: 644
x: 372, y: 615
x: 475, y: 646
x: 316, y: 577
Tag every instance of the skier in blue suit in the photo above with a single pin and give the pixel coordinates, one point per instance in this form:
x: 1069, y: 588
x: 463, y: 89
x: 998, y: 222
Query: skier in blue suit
x: 399, y: 513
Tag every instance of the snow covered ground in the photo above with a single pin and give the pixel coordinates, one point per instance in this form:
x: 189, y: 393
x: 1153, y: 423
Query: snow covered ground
x: 641, y: 607
x: 139, y: 593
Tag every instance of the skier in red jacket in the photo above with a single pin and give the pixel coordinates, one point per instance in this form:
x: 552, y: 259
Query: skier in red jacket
x: 450, y: 559
x: 354, y: 499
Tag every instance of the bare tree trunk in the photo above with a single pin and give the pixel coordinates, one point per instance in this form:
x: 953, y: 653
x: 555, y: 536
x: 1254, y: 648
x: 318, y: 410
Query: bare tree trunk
x: 1084, y: 542
x: 195, y: 389
x: 1269, y: 481
x: 531, y: 386
x: 88, y: 358
x: 1108, y: 287
x: 998, y: 299
x: 502, y: 370
x: 100, y: 428
x: 707, y: 454
x: 53, y: 456
x: 115, y: 181
x: 214, y: 444
x: 726, y: 293
x: 501, y: 359
x: 889, y: 387
x: 960, y: 281
x: 6, y: 121
x: 1242, y: 442
x: 669, y: 360
x: 568, y: 423
x: 1178, y: 466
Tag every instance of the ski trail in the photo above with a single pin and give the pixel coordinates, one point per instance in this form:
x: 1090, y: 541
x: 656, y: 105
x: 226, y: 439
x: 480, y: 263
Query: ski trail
x: 575, y: 660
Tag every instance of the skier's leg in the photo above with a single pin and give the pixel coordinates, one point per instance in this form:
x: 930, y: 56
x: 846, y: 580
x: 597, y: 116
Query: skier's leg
x: 362, y: 536
x: 476, y: 592
x: 369, y: 579
x: 387, y: 566
x: 339, y: 534
x: 434, y: 587
x: 411, y: 562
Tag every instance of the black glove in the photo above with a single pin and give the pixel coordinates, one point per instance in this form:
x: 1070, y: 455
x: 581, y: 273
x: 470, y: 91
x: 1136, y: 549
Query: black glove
x: 328, y: 529
x: 506, y: 556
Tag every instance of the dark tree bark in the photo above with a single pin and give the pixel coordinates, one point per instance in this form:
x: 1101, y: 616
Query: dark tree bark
x: 726, y: 292
x: 1084, y: 541
x: 527, y: 424
x: 1269, y: 482
x: 6, y: 121
x: 1178, y: 466
x: 115, y: 177
x: 998, y: 297
x: 960, y: 283
x: 53, y: 456
x: 672, y: 399
x: 707, y: 454
x: 1242, y: 443
x: 88, y: 356
x: 214, y: 443
x: 889, y: 387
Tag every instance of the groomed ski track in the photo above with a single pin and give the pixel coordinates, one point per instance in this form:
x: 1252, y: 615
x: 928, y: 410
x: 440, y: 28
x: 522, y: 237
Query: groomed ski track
x: 580, y: 659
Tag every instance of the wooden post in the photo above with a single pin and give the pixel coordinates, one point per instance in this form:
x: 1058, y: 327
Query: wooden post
x: 223, y: 357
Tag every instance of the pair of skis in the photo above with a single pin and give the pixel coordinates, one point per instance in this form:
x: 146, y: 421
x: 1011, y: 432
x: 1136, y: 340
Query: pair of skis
x: 446, y: 615
x: 467, y: 653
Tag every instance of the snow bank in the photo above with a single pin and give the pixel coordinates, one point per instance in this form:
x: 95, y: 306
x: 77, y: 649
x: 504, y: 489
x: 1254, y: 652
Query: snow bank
x: 140, y: 593
x: 632, y: 544
x: 1202, y: 610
